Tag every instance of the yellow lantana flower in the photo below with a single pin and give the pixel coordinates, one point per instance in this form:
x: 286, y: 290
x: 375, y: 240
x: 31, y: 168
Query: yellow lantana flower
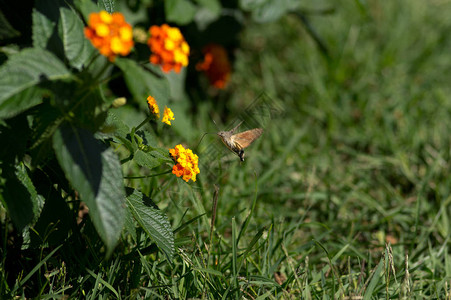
x: 168, y: 115
x: 153, y: 106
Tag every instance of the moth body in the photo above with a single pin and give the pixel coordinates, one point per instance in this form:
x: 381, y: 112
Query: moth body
x: 237, y: 142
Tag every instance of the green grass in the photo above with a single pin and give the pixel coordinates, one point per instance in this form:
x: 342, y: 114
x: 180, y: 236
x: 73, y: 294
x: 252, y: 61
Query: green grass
x: 346, y: 195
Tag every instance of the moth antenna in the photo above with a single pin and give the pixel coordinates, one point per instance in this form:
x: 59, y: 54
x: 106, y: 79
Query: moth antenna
x: 217, y: 127
x: 203, y: 137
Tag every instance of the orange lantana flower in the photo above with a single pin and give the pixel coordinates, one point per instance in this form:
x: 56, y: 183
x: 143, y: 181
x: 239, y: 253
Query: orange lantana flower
x: 216, y: 65
x: 153, y: 106
x: 169, y: 48
x: 186, y: 163
x: 110, y: 34
x: 168, y: 115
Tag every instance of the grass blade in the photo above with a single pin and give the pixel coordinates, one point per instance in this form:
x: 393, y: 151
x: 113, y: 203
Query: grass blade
x: 36, y: 268
x: 374, y: 280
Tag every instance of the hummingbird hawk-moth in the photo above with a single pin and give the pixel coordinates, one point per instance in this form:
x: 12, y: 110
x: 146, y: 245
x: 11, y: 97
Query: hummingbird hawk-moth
x: 238, y: 142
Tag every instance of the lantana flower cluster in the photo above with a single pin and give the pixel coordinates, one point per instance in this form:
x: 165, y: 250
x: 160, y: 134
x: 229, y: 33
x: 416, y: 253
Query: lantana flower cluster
x: 153, y: 106
x: 186, y: 163
x: 110, y: 34
x: 113, y: 36
x: 169, y: 48
x: 168, y: 115
x: 216, y: 65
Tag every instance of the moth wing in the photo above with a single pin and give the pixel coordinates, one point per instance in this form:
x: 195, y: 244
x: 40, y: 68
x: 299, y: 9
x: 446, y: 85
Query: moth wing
x: 245, y: 138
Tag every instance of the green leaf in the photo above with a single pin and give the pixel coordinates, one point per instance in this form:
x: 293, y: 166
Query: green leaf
x: 77, y: 48
x: 149, y: 160
x: 182, y: 123
x: 86, y: 7
x: 107, y: 5
x: 45, y: 17
x: 21, y: 102
x: 129, y: 225
x: 268, y: 10
x: 115, y: 129
x: 6, y: 30
x: 176, y: 83
x: 143, y: 83
x: 116, y: 136
x: 42, y: 29
x: 95, y: 172
x: 117, y: 125
x: 208, y: 12
x: 180, y: 12
x: 23, y: 202
x: 152, y: 220
x: 45, y: 122
x: 149, y: 139
x: 213, y: 5
x: 24, y: 70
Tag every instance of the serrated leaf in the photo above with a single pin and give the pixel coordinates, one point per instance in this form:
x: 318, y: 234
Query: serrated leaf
x: 143, y: 83
x: 46, y: 17
x: 162, y: 154
x: 108, y: 5
x: 120, y: 128
x: 21, y: 102
x: 77, y: 48
x: 23, y: 202
x: 180, y: 12
x: 42, y: 29
x: 118, y: 131
x: 95, y: 172
x: 45, y: 122
x: 129, y: 225
x: 153, y: 221
x: 88, y: 6
x: 25, y: 70
x: 149, y: 160
x: 148, y: 139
